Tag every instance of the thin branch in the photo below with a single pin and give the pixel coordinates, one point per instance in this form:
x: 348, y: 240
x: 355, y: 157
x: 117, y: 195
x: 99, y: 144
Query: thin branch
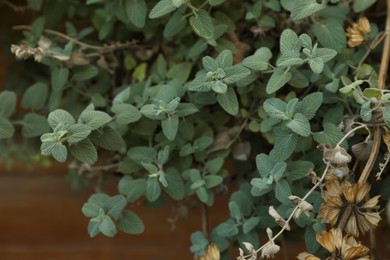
x: 205, y: 219
x: 107, y: 48
x: 16, y: 8
x: 386, y: 52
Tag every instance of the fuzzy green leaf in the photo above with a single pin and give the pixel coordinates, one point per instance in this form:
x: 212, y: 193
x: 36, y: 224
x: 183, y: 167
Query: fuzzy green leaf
x: 275, y: 108
x: 331, y: 135
x: 7, y: 103
x: 78, y: 132
x: 7, y: 130
x: 162, y: 8
x: 153, y: 189
x: 84, y: 151
x: 330, y: 33
x: 310, y: 104
x: 170, y: 125
x: 278, y: 79
x: 304, y: 8
x: 202, y: 24
x: 130, y: 223
x: 285, y: 144
x: 34, y: 125
x: 136, y: 12
x: 59, y: 77
x: 126, y: 113
x: 228, y: 101
x: 361, y: 5
x: 289, y: 41
x: 283, y: 191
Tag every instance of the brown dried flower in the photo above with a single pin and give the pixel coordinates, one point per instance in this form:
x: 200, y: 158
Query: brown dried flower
x: 278, y: 219
x: 356, y: 33
x: 339, y: 196
x: 346, y: 248
x: 212, y: 253
x: 269, y: 250
x: 303, y: 206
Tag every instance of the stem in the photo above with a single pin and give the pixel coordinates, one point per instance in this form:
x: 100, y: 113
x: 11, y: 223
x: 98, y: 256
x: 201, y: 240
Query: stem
x: 297, y: 206
x: 386, y: 52
x: 82, y: 44
x: 350, y: 132
x: 16, y: 8
x: 205, y: 220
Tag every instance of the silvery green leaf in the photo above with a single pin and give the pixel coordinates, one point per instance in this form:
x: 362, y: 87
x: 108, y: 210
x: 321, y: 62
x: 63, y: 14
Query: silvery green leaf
x: 310, y: 104
x: 125, y: 113
x: 34, y: 125
x: 283, y: 191
x: 278, y: 79
x: 107, y: 227
x: 284, y: 146
x: 78, y: 132
x: 300, y: 125
x: 35, y: 96
x: 289, y: 58
x: 136, y: 12
x: 305, y: 41
x: 170, y: 125
x: 330, y: 33
x: 361, y: 5
x: 7, y: 103
x: 153, y: 189
x: 202, y: 24
x: 325, y: 54
x: 94, y: 119
x: 162, y: 8
x: 235, y: 73
x: 386, y: 115
x: 289, y: 41
x: 60, y: 117
x: 175, y: 24
x: 316, y: 65
x: 224, y: 59
x: 304, y: 8
x: 275, y: 108
x: 209, y: 64
x: 219, y: 87
x: 365, y: 111
x: 108, y: 138
x: 130, y: 223
x: 7, y: 130
x: 331, y: 135
x: 86, y: 73
x: 228, y: 101
x: 59, y: 77
x: 122, y: 96
x: 84, y: 151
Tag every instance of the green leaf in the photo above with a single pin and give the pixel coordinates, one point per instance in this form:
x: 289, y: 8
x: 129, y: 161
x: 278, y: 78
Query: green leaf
x: 361, y: 5
x: 77, y: 132
x: 170, y: 125
x: 234, y: 210
x: 278, y: 79
x: 59, y: 152
x: 122, y: 96
x: 289, y: 58
x: 201, y: 143
x: 283, y: 191
x: 175, y: 24
x: 136, y: 12
x: 142, y: 154
x: 186, y: 109
x: 316, y: 65
x: 305, y: 41
x: 134, y: 189
x: 278, y: 170
x: 366, y: 112
x: 330, y: 33
x: 7, y: 103
x: 130, y: 223
x: 209, y: 64
x: 86, y: 73
x: 235, y: 73
x: 289, y: 41
x: 59, y: 77
x: 180, y: 71
x: 250, y: 224
x: 35, y: 4
x: 7, y: 130
x: 212, y: 181
x: 108, y: 138
x: 94, y: 119
x: 227, y: 229
x: 300, y: 125
x: 93, y: 228
x: 228, y: 101
x: 371, y: 92
x: 153, y: 189
x: 310, y: 104
x: 60, y: 117
x: 90, y: 209
x: 386, y: 115
x: 304, y: 8
x: 84, y: 151
x: 215, y: 2
x: 107, y: 227
x: 202, y: 24
x: 259, y: 60
x: 298, y: 170
x: 175, y: 188
x: 114, y: 206
x: 264, y: 164
x: 325, y: 54
x: 34, y: 125
x: 285, y: 145
x: 331, y: 135
x: 162, y: 8
x: 126, y: 113
x: 275, y: 108
x: 310, y: 240
x: 213, y: 166
x: 225, y: 59
x: 35, y: 96
x: 202, y: 194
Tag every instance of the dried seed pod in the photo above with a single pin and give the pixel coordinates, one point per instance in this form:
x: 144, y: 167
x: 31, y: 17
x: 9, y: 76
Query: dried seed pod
x: 362, y: 150
x: 337, y: 156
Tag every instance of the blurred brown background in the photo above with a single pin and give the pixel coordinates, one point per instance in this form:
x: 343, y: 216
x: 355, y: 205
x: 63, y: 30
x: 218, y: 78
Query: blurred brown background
x: 40, y: 215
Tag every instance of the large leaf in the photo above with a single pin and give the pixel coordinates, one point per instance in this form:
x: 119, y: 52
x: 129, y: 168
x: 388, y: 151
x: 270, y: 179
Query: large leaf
x: 275, y: 108
x: 60, y: 117
x: 228, y: 101
x: 331, y: 135
x: 330, y: 33
x: 310, y: 104
x: 285, y: 144
x: 300, y: 125
x: 78, y: 132
x: 170, y: 125
x: 108, y: 138
x: 162, y: 8
x: 126, y: 113
x: 94, y: 119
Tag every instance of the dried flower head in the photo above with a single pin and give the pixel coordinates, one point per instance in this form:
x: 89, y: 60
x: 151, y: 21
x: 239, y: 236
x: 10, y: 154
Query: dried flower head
x: 356, y: 33
x: 278, y: 219
x: 339, y: 196
x: 212, y: 253
x: 269, y: 250
x: 24, y: 51
x: 346, y: 248
x: 362, y: 150
x: 335, y: 156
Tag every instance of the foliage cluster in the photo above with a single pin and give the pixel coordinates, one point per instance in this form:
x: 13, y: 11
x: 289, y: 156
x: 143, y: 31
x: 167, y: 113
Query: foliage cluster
x: 181, y: 100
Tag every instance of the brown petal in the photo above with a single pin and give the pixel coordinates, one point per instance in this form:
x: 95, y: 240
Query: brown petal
x: 371, y: 203
x: 364, y: 25
x: 362, y: 191
x: 307, y: 256
x: 351, y: 226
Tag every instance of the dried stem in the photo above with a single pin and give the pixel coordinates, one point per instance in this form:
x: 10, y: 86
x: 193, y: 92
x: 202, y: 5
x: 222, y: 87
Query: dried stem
x: 16, y: 8
x: 205, y: 219
x: 107, y: 48
x: 386, y: 53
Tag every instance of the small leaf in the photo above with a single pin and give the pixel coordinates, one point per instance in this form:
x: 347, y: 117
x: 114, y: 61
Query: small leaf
x: 300, y: 125
x: 7, y: 103
x: 77, y: 132
x: 126, y: 113
x: 331, y: 135
x: 107, y: 227
x: 285, y: 145
x: 84, y: 151
x: 228, y: 101
x: 108, y: 138
x: 170, y: 125
x: 35, y: 96
x: 361, y: 5
x: 304, y: 8
x: 175, y: 188
x: 310, y: 104
x: 136, y: 12
x: 316, y: 65
x: 130, y: 223
x: 60, y: 117
x: 88, y: 72
x: 94, y: 119
x: 250, y: 224
x: 386, y: 115
x: 275, y: 108
x: 202, y: 24
x: 7, y: 130
x: 278, y: 79
x: 283, y: 191
x: 34, y: 125
x: 289, y: 41
x: 153, y: 189
x: 162, y: 8
x: 59, y: 77
x: 330, y: 34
